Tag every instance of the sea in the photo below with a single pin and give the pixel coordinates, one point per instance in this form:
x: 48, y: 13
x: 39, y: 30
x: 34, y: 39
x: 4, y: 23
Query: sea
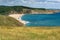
x: 42, y: 19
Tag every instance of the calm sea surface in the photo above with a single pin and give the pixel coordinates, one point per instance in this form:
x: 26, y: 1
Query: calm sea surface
x: 42, y: 19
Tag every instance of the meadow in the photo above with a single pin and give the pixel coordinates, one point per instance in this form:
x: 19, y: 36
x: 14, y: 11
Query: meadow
x: 29, y: 33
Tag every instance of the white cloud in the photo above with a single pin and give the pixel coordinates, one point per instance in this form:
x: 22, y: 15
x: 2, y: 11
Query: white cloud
x: 54, y: 0
x: 40, y: 2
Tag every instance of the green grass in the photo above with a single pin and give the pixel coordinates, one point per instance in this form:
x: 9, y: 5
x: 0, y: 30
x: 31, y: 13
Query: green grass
x: 8, y: 21
x: 29, y: 33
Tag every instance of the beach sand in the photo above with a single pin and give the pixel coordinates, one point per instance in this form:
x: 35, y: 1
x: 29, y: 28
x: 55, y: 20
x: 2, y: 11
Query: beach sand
x: 18, y: 17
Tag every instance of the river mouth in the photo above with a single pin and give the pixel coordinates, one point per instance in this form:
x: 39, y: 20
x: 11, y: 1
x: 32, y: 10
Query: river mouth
x: 42, y: 19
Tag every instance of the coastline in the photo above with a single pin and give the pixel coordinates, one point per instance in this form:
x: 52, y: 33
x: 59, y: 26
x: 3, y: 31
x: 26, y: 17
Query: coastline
x: 18, y: 17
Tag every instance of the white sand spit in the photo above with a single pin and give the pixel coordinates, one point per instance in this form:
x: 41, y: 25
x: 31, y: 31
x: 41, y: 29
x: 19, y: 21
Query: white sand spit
x: 18, y: 17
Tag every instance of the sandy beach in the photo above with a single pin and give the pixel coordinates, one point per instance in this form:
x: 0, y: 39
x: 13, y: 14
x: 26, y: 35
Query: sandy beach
x: 18, y: 17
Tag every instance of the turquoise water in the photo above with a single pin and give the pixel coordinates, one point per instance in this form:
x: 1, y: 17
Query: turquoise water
x: 42, y: 19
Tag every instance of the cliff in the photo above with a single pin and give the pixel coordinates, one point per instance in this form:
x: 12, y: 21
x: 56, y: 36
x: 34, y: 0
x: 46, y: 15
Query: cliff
x: 46, y: 11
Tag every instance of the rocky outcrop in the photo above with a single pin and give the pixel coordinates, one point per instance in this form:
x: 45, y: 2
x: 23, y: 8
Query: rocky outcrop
x: 29, y: 11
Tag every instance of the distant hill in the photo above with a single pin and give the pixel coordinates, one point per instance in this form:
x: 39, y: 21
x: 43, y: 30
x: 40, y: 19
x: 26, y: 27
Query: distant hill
x: 7, y: 9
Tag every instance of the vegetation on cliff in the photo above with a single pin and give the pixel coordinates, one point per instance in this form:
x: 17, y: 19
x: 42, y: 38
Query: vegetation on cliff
x: 8, y: 21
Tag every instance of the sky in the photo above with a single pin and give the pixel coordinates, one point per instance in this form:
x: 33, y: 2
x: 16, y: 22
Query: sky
x: 49, y: 4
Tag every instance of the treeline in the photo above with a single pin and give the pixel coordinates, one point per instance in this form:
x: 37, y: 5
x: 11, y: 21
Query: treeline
x: 7, y: 9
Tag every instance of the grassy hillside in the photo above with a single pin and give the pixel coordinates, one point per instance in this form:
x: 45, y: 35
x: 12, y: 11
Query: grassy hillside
x: 8, y: 21
x: 30, y: 33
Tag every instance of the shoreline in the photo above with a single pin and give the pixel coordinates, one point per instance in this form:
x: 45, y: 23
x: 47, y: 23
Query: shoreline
x: 18, y: 17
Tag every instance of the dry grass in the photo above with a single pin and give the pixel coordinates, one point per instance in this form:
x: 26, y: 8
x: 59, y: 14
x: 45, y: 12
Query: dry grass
x: 30, y: 33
